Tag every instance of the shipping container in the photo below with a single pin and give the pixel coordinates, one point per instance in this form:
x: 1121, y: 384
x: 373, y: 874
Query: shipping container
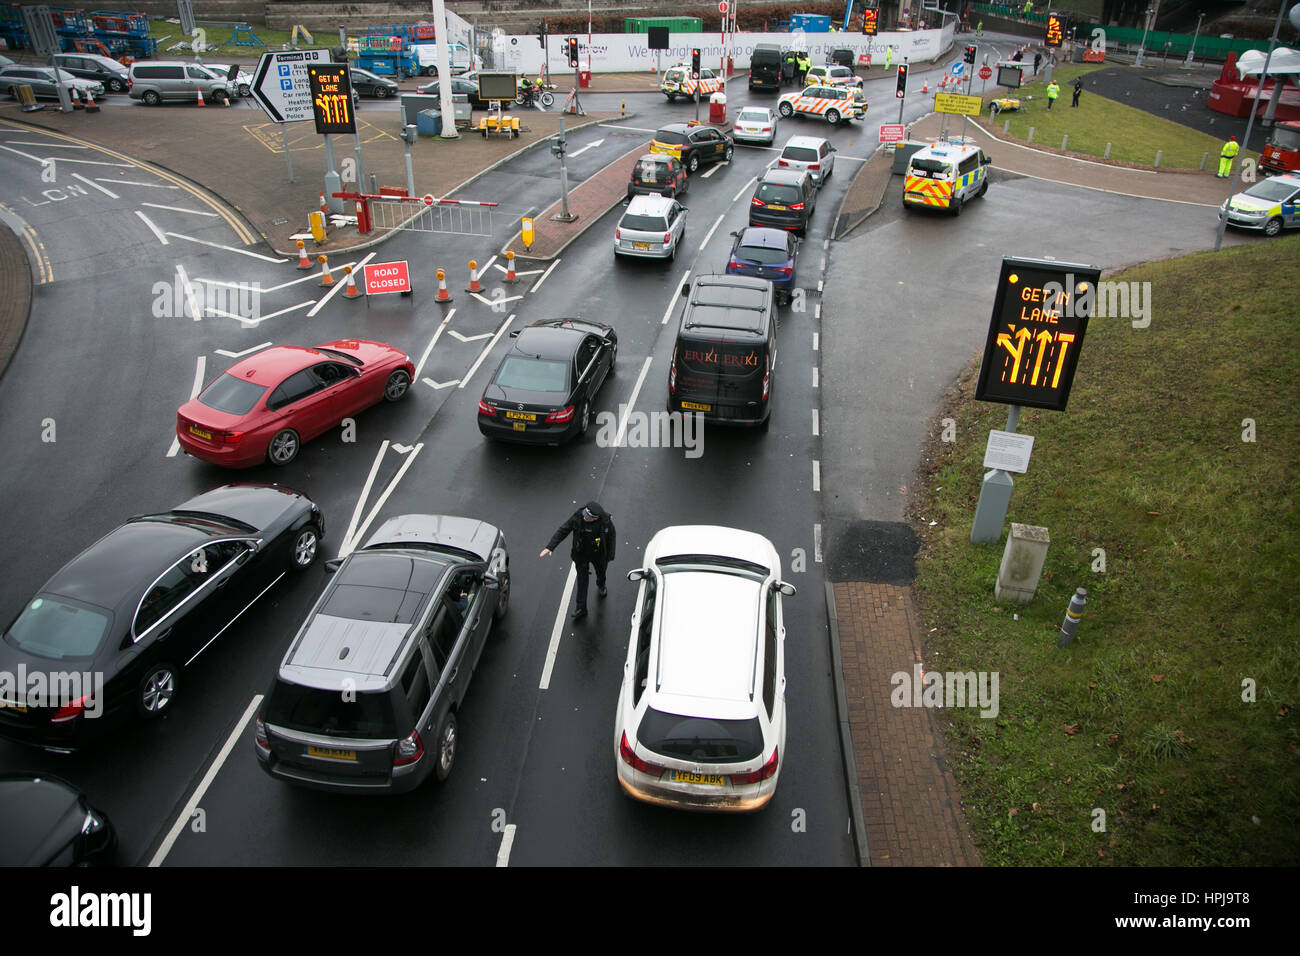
x: 674, y: 24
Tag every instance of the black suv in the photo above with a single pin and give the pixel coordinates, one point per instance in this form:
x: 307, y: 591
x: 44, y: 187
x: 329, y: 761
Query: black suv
x: 92, y: 66
x: 694, y: 144
x: 784, y: 198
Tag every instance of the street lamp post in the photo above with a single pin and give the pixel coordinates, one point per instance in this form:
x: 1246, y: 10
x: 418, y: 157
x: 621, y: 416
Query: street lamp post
x: 1143, y: 48
x: 1187, y: 63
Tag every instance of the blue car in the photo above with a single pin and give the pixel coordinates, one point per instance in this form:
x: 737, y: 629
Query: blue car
x: 766, y: 253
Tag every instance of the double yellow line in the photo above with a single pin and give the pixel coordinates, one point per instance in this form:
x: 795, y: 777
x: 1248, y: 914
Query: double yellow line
x: 44, y: 268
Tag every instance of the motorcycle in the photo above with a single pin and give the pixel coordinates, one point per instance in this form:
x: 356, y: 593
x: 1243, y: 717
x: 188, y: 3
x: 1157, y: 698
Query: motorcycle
x: 534, y: 95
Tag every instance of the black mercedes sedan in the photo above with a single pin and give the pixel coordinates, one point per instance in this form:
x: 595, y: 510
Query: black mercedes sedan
x: 45, y: 821
x: 110, y: 633
x: 543, y: 390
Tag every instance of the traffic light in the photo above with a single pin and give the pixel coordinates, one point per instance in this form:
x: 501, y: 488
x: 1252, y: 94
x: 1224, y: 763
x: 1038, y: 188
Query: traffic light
x: 541, y: 34
x: 869, y: 22
x: 970, y: 55
x: 695, y: 64
x: 902, y: 82
x: 573, y: 52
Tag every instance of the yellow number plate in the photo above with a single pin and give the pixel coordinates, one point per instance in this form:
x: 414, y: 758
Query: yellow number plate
x: 10, y: 705
x: 777, y: 208
x: 519, y: 426
x: 329, y: 753
x: 697, y: 407
x: 201, y: 433
x: 643, y: 246
x: 522, y: 416
x: 712, y: 780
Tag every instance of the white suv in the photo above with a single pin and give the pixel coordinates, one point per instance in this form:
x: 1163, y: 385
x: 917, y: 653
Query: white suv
x: 701, y: 714
x: 812, y: 153
x: 652, y: 227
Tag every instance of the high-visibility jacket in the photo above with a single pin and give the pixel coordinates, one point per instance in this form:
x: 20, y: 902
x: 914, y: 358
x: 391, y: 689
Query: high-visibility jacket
x: 1053, y: 90
x: 1230, y: 149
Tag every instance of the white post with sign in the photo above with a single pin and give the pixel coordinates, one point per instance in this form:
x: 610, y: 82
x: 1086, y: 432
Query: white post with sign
x: 282, y: 89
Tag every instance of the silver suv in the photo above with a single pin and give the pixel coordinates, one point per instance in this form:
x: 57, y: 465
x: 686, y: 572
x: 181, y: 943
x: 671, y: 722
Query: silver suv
x: 154, y: 81
x: 380, y: 667
x: 812, y: 153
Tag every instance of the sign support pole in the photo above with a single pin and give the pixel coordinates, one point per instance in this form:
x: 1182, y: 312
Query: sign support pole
x: 284, y: 141
x: 995, y: 496
x: 333, y: 182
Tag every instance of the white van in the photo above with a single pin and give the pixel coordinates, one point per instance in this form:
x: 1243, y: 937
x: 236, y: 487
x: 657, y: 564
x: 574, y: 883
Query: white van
x: 945, y: 176
x: 426, y: 56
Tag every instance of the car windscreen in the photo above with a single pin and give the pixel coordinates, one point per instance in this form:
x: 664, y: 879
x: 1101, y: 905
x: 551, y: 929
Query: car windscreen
x: 779, y: 193
x: 58, y: 628
x: 1286, y: 138
x: 232, y: 395
x: 763, y: 255
x: 1271, y: 191
x: 670, y: 138
x: 533, y: 375
x: 643, y: 223
x: 701, y: 739
x: 330, y: 712
x: 802, y: 154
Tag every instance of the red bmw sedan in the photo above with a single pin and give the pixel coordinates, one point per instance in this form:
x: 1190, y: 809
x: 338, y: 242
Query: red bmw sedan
x: 266, y: 406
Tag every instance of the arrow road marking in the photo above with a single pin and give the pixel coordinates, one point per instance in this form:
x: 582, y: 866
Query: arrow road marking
x: 469, y: 338
x: 430, y: 382
x: 486, y: 349
x: 486, y: 301
x: 199, y: 370
x: 229, y: 354
x: 592, y: 145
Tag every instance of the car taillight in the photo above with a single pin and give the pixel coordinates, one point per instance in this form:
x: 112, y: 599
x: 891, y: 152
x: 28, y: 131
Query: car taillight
x: 409, y: 750
x: 762, y: 773
x: 69, y: 711
x: 785, y: 270
x: 636, y: 763
x: 672, y: 373
x: 767, y: 379
x: 733, y: 263
x: 563, y: 415
x: 757, y: 202
x: 618, y: 233
x: 668, y: 237
x: 814, y: 165
x: 782, y: 162
x: 798, y: 206
x: 486, y: 409
x: 765, y: 129
x: 259, y: 734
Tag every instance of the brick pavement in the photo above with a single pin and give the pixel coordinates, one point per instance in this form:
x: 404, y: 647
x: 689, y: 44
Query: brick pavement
x: 15, y: 294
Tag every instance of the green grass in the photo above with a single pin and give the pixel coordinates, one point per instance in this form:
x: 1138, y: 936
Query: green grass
x: 1142, y: 717
x: 168, y: 33
x: 1134, y: 135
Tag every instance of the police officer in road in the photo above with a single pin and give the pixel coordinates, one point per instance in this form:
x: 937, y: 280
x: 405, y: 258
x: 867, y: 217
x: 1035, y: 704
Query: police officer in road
x: 593, y: 544
x: 1229, y: 152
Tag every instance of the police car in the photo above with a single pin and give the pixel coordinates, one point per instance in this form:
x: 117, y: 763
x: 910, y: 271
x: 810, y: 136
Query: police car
x: 678, y: 82
x: 833, y: 76
x: 833, y: 103
x: 1270, y: 206
x: 944, y: 177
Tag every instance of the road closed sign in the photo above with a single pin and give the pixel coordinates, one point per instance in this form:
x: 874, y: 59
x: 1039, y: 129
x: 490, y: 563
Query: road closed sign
x: 381, y: 277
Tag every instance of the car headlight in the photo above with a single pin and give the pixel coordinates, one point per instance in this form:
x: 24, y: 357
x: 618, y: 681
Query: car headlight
x: 92, y: 824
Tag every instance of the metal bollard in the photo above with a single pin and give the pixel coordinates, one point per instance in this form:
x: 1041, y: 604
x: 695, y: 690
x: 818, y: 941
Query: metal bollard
x: 1205, y: 157
x: 1064, y: 139
x: 1030, y: 137
x: 1106, y: 155
x: 1006, y: 127
x: 1073, y: 615
x: 1158, y: 152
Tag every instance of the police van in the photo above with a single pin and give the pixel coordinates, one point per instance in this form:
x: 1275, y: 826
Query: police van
x: 944, y: 177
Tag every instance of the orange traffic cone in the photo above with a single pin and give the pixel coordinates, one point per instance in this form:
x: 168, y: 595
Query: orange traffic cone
x: 90, y: 102
x: 473, y: 278
x: 442, y: 295
x: 326, y: 277
x: 925, y: 87
x: 510, y: 268
x: 303, y: 262
x: 351, y: 291
x: 200, y: 92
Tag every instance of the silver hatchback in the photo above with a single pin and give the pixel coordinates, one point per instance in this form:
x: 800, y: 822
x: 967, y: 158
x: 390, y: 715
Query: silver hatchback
x: 651, y: 228
x: 812, y: 153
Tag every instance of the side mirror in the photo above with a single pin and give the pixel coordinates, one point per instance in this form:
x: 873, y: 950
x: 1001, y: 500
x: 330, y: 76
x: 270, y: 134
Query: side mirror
x: 491, y: 582
x: 636, y: 574
x: 784, y: 588
x: 333, y: 565
x: 514, y: 333
x: 686, y: 290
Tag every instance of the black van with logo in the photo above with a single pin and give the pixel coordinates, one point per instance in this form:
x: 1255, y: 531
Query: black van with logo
x: 725, y: 351
x: 765, y: 67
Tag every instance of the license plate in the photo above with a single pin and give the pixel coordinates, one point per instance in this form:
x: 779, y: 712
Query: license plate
x: 201, y: 433
x: 697, y: 407
x: 11, y: 705
x: 777, y: 208
x: 712, y: 780
x: 643, y: 246
x: 519, y: 426
x: 329, y: 753
x: 522, y: 416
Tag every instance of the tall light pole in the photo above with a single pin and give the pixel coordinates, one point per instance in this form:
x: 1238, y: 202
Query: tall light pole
x: 1143, y: 48
x: 1187, y: 63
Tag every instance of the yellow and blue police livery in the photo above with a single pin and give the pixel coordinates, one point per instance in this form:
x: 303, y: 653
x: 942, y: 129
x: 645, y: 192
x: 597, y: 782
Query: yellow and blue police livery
x: 1270, y: 206
x: 944, y: 177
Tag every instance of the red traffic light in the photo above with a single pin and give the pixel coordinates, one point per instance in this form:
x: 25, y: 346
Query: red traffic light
x: 573, y: 52
x: 695, y: 64
x: 902, y: 82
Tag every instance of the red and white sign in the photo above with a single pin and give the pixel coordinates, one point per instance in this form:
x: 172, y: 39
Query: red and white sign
x: 986, y: 72
x: 380, y: 277
x: 428, y: 199
x: 891, y: 133
x: 722, y: 7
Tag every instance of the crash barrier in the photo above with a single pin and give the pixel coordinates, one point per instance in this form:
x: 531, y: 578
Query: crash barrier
x: 463, y: 217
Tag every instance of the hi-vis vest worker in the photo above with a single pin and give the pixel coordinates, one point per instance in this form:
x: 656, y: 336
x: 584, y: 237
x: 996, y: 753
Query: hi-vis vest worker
x: 677, y: 82
x: 1229, y: 152
x: 1053, y: 91
x: 944, y: 177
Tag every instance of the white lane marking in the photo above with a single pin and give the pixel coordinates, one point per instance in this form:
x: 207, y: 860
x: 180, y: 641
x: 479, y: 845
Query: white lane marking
x: 255, y: 348
x: 486, y: 349
x: 250, y: 323
x: 815, y: 376
x: 557, y: 630
x: 432, y: 342
x: 631, y: 402
x: 152, y: 228
x: 338, y: 287
x: 817, y: 544
x: 154, y: 205
x: 94, y: 162
x: 823, y: 268
x: 235, y: 618
x: 200, y: 369
x: 817, y: 312
x: 94, y: 185
x: 487, y: 265
x: 507, y: 841
x: 713, y: 169
x: 538, y: 284
x: 365, y: 493
x: 745, y: 188
x: 635, y: 129
x: 820, y: 285
x: 188, y: 286
x: 817, y: 428
x: 826, y: 244
x: 242, y: 252
x: 672, y: 300
x: 816, y: 341
x: 493, y: 302
x: 817, y: 475
x: 26, y: 142
x: 712, y: 229
x: 528, y: 272
x: 184, y: 816
x: 468, y: 338
x: 439, y: 385
x: 350, y: 545
x: 131, y: 182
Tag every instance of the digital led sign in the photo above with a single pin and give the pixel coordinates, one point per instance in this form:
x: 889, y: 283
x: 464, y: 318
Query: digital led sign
x: 1055, y: 30
x: 331, y: 98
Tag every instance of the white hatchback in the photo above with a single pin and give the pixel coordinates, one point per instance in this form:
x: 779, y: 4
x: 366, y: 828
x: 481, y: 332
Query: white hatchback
x: 652, y: 227
x: 812, y: 153
x: 701, y: 713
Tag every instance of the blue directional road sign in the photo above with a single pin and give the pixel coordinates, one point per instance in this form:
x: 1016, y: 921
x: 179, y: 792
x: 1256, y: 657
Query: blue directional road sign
x: 957, y: 69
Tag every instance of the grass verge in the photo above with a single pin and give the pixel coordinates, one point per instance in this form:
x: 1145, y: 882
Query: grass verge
x: 1143, y: 718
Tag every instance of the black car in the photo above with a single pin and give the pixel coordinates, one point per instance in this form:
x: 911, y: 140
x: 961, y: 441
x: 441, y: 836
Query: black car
x: 45, y: 821
x: 368, y: 84
x: 655, y: 173
x: 544, y: 387
x: 365, y: 700
x: 92, y: 66
x: 110, y: 633
x: 784, y: 198
x: 693, y: 144
x: 842, y: 57
x: 459, y: 85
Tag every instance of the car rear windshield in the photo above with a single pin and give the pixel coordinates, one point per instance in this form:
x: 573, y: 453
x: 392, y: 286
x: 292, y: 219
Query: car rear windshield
x: 58, y: 629
x: 232, y: 395
x: 763, y: 255
x: 671, y: 138
x: 802, y: 154
x: 779, y: 193
x: 930, y: 165
x: 532, y: 375
x: 701, y: 739
x: 651, y: 171
x: 316, y: 711
x: 644, y: 223
x: 754, y: 116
